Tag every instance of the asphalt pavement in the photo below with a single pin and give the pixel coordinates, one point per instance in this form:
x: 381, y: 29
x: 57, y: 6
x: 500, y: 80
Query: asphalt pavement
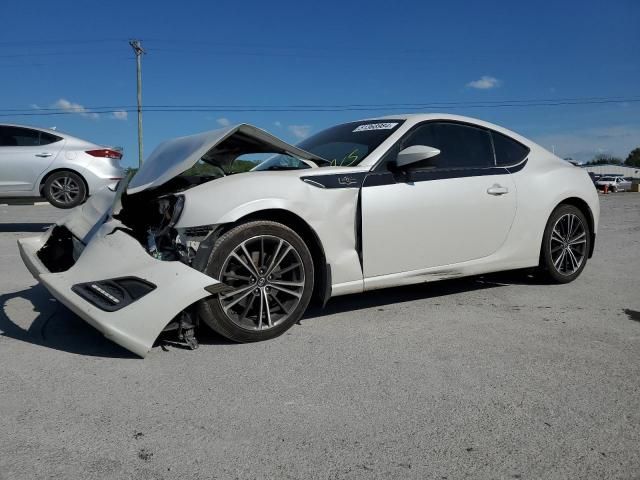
x: 493, y: 377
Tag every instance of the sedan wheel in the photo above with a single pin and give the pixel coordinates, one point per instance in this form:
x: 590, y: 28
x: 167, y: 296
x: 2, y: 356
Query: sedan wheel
x: 269, y: 272
x: 566, y: 244
x: 65, y: 190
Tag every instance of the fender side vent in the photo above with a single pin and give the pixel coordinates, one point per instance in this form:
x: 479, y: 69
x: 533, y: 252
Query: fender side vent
x: 199, y: 231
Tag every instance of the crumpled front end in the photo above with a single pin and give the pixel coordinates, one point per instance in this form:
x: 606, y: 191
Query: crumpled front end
x: 122, y: 262
x: 107, y: 277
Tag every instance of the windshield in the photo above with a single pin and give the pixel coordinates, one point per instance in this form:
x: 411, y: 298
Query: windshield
x: 343, y: 145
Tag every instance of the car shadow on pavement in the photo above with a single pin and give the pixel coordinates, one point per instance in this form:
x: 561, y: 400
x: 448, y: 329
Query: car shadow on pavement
x: 52, y: 325
x: 422, y: 291
x: 23, y: 227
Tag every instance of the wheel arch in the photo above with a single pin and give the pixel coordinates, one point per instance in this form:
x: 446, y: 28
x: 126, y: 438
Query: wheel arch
x: 322, y: 270
x: 583, y: 206
x: 44, y: 179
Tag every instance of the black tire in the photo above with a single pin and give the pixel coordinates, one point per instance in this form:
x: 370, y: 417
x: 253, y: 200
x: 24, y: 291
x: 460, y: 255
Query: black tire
x: 65, y: 189
x: 552, y: 262
x: 243, y: 327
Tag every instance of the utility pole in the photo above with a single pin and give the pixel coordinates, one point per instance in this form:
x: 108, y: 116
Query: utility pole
x: 137, y: 49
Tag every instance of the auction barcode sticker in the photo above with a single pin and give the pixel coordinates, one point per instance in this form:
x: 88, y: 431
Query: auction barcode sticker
x: 375, y: 126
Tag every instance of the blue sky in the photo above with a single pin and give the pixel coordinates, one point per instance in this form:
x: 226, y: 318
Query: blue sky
x: 72, y: 55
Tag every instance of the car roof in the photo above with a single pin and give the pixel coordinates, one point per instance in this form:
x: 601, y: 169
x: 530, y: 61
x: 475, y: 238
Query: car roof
x: 32, y: 127
x: 414, y: 118
x: 52, y: 131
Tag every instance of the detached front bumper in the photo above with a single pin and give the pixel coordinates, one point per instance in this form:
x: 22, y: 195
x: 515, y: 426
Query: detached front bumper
x: 110, y: 254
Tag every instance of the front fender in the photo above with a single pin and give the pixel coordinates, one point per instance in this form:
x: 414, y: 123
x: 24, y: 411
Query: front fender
x: 330, y: 213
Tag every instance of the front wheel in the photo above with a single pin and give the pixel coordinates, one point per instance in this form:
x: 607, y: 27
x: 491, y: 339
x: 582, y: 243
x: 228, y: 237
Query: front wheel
x: 565, y: 244
x: 269, y: 270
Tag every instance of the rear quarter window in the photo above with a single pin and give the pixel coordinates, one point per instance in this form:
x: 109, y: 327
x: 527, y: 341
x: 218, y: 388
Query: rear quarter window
x: 47, y: 138
x: 508, y: 151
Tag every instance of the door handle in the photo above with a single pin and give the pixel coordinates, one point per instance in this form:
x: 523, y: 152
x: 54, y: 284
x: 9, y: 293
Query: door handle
x: 497, y: 190
x: 44, y: 154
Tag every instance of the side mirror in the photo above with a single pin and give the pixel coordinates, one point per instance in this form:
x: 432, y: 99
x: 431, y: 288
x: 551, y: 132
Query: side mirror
x: 415, y: 153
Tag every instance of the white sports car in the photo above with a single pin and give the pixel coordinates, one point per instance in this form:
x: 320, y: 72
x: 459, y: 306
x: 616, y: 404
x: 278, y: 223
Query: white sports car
x: 240, y: 230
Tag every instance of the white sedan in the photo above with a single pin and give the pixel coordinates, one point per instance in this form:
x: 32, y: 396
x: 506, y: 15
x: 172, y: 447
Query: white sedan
x: 239, y: 230
x: 614, y: 184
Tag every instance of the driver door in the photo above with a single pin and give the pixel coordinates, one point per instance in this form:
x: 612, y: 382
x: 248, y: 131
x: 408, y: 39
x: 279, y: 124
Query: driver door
x: 452, y: 208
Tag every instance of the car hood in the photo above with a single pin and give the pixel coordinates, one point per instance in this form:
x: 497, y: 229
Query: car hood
x: 173, y: 157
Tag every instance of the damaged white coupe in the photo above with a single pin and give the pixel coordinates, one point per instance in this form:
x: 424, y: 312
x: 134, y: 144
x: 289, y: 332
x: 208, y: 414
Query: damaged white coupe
x: 237, y: 230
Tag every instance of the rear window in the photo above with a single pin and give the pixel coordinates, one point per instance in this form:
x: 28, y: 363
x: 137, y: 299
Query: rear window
x: 508, y: 151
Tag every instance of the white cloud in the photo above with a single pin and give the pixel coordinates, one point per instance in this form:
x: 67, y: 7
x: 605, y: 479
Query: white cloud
x: 223, y: 121
x: 300, y: 131
x: 583, y: 145
x: 119, y: 115
x: 485, y: 83
x: 35, y: 106
x: 68, y: 106
x: 278, y: 123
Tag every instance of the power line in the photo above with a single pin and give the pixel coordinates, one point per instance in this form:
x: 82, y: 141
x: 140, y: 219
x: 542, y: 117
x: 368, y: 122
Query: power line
x: 252, y: 109
x: 577, y: 100
x: 52, y: 54
x: 45, y: 43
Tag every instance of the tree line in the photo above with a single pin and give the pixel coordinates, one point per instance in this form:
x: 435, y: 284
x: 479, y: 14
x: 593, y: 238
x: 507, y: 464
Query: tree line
x: 632, y: 160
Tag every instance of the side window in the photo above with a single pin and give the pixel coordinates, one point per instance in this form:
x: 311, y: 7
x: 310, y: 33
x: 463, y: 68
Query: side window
x: 508, y: 151
x: 19, y: 137
x: 47, y: 138
x: 6, y: 137
x: 4, y: 140
x: 461, y: 146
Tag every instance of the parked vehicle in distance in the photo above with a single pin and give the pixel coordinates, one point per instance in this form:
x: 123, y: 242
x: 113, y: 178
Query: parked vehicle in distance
x: 614, y: 183
x: 594, y: 177
x: 359, y: 206
x: 64, y: 169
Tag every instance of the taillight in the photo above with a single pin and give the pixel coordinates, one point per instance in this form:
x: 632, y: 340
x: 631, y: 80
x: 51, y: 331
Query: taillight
x: 105, y: 153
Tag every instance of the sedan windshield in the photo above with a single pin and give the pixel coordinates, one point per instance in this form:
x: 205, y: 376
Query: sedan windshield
x: 344, y: 145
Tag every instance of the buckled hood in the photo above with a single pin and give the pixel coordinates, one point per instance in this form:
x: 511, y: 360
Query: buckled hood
x: 217, y: 147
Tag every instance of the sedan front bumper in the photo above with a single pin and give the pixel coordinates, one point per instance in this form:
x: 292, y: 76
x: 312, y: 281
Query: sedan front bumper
x: 112, y: 253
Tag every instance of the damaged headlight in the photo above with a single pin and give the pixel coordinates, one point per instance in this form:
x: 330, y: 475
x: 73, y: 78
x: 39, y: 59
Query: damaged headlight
x: 163, y: 240
x: 170, y: 208
x: 153, y: 219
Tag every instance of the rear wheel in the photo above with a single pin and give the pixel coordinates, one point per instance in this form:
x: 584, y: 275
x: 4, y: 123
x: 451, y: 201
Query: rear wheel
x: 65, y: 189
x: 565, y: 244
x: 269, y: 270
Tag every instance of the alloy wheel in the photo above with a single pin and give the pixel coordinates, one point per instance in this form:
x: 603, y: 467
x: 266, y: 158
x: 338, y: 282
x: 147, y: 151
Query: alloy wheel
x: 568, y: 244
x: 267, y: 279
x: 65, y: 190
